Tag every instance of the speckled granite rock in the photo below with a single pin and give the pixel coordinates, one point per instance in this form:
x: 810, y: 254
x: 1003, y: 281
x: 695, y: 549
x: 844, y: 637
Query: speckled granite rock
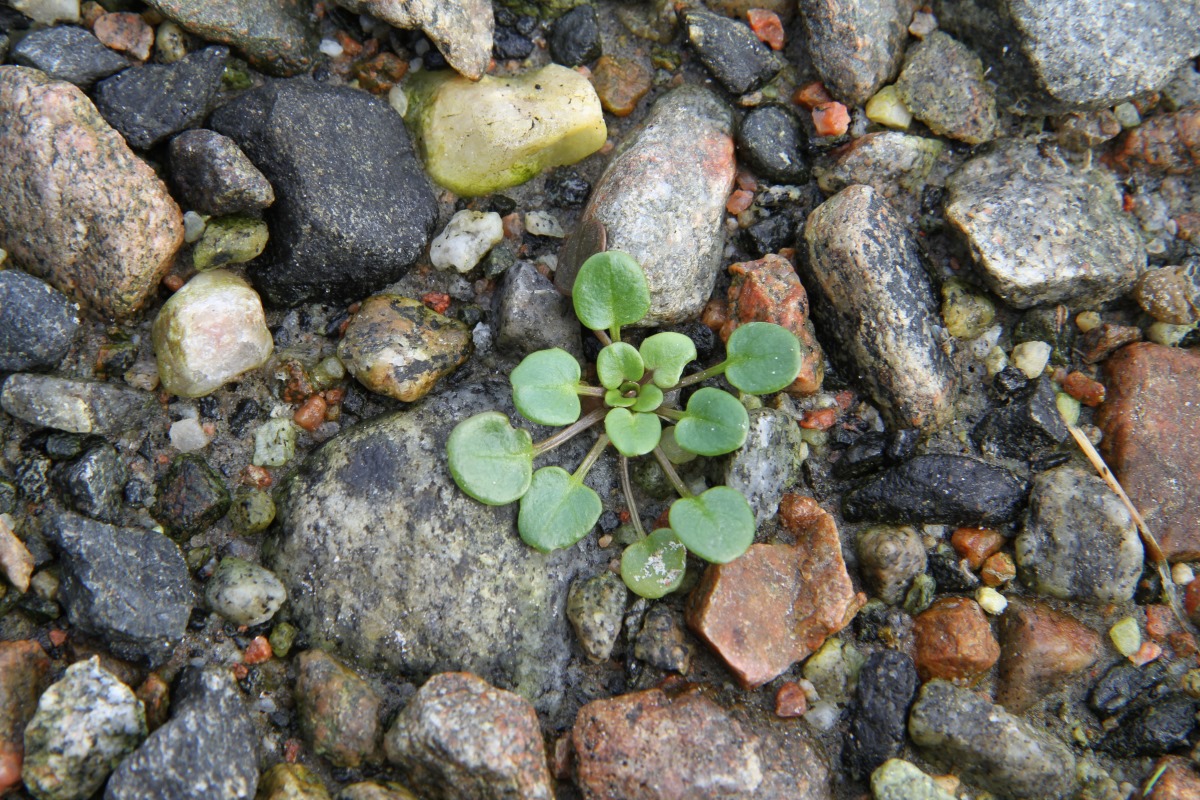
x: 1041, y: 232
x: 214, y: 176
x: 25, y: 670
x: 274, y: 35
x: 37, y: 323
x: 942, y: 84
x: 338, y: 710
x: 662, y: 200
x: 856, y: 46
x: 75, y: 406
x: 768, y: 464
x: 461, y: 29
x: 886, y: 161
x: 66, y: 166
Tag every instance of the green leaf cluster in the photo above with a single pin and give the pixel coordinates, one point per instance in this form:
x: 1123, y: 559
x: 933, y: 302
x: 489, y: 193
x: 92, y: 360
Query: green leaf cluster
x: 637, y: 402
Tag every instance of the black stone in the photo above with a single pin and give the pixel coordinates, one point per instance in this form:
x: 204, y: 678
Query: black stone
x: 508, y: 43
x: 1047, y: 324
x: 771, y: 140
x: 191, y: 497
x: 938, y: 489
x: 93, y: 484
x: 139, y: 493
x: 433, y: 59
x: 326, y: 149
x: 1154, y: 728
x: 701, y: 335
x: 209, y: 407
x: 531, y: 314
x: 211, y: 175
x: 731, y: 51
x: 247, y: 413
x: 67, y: 53
x: 62, y: 446
x: 129, y: 588
x: 206, y: 750
x: 149, y: 103
x: 1027, y: 425
x: 1122, y: 684
x: 951, y: 573
x: 575, y: 38
x: 902, y: 444
x: 565, y: 188
x: 37, y: 323
x: 887, y: 685
x: 867, y: 454
x: 33, y: 477
x: 769, y: 235
x: 880, y: 622
x: 1009, y: 383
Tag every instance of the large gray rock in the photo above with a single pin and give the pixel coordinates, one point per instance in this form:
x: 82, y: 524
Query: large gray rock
x: 1079, y: 541
x: 75, y: 406
x: 873, y: 297
x: 768, y: 463
x: 993, y: 749
x: 67, y: 53
x: 461, y: 29
x: 206, y: 750
x: 856, y: 46
x: 387, y: 562
x: 1076, y: 54
x: 274, y: 35
x: 662, y: 200
x: 1042, y: 233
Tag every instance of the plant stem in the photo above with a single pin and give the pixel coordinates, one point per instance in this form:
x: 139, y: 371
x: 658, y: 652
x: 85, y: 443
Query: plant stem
x: 590, y: 459
x: 673, y: 414
x: 591, y: 391
x: 570, y: 432
x: 629, y: 501
x: 702, y: 376
x: 603, y: 337
x: 615, y: 333
x: 673, y: 476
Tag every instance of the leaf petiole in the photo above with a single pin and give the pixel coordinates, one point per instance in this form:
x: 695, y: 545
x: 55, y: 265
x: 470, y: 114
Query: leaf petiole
x: 702, y: 376
x: 672, y: 414
x: 590, y: 459
x: 570, y: 432
x: 590, y: 391
x: 680, y: 487
x: 627, y: 488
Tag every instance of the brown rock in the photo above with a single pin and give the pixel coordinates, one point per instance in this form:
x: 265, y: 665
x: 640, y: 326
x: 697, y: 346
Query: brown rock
x: 976, y: 544
x: 77, y: 207
x: 1039, y: 648
x: 790, y: 700
x: 1101, y: 342
x: 778, y: 603
x: 954, y: 641
x: 998, y: 569
x: 1169, y: 295
x: 1179, y: 781
x: 339, y: 712
x: 461, y: 738
x: 768, y: 290
x: 16, y: 562
x: 125, y: 32
x: 23, y: 677
x: 1165, y: 143
x: 1151, y: 424
x: 155, y: 695
x: 291, y: 782
x: 620, y: 83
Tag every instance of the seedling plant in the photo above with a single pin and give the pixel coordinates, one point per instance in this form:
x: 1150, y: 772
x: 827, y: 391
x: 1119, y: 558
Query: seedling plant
x: 638, y: 395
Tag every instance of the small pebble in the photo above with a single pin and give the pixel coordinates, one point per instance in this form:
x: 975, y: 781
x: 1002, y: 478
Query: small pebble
x: 831, y: 119
x: 1031, y: 358
x: 275, y: 443
x: 923, y: 24
x: 995, y: 361
x: 1087, y: 320
x: 331, y: 48
x: 1168, y: 335
x: 193, y: 227
x: 466, y: 239
x: 170, y: 43
x: 188, y: 435
x: 244, y: 593
x: 1126, y: 636
x: 990, y: 600
x: 1127, y: 114
x: 543, y: 223
x: 1067, y: 406
x: 1182, y: 574
x: 887, y: 109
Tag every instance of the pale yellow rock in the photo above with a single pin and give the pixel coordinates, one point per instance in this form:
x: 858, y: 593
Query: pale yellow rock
x: 15, y: 560
x: 210, y: 332
x: 887, y: 109
x: 478, y: 138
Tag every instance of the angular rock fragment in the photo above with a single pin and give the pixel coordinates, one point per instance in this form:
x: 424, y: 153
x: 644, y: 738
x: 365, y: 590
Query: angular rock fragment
x: 213, y: 176
x: 938, y: 489
x: 67, y: 53
x: 856, y: 46
x: 1040, y: 648
x: 461, y: 29
x: 943, y: 85
x: 75, y: 406
x: 338, y: 710
x: 37, y: 323
x: 274, y: 35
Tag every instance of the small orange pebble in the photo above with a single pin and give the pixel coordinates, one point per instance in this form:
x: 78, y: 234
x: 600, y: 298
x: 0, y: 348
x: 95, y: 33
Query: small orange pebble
x: 1128, y: 203
x: 607, y: 147
x: 715, y: 314
x: 1191, y: 597
x: 831, y: 119
x: 844, y: 399
x: 351, y: 47
x: 258, y: 651
x: 514, y: 228
x: 125, y: 32
x: 240, y: 672
x: 256, y: 477
x: 997, y: 570
x: 437, y: 301
x: 811, y: 95
x: 739, y: 201
x: 1183, y: 643
x: 976, y: 544
x: 89, y: 12
x: 311, y: 414
x: 291, y: 750
x: 746, y: 180
x: 1159, y: 621
x: 162, y: 458
x: 766, y: 27
x: 790, y: 701
x: 1084, y: 389
x: 1148, y: 652
x: 334, y: 396
x: 819, y: 419
x: 624, y: 516
x: 58, y: 637
x: 173, y: 282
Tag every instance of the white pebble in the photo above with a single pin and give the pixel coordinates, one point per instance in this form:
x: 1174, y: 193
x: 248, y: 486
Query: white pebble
x: 481, y: 337
x: 990, y: 600
x: 193, y: 227
x: 398, y: 100
x: 982, y: 344
x: 1127, y: 114
x: 187, y: 435
x: 822, y: 716
x: 1031, y: 358
x: 466, y: 239
x: 331, y: 48
x: 995, y: 360
x: 1182, y: 574
x: 543, y: 223
x: 1087, y: 320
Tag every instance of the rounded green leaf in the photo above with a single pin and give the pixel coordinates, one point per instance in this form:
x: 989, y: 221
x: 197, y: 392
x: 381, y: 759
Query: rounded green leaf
x: 666, y: 354
x: 762, y: 357
x: 557, y: 511
x: 613, y: 398
x: 717, y: 526
x: 490, y: 459
x: 675, y: 454
x: 544, y: 387
x: 714, y: 423
x: 649, y: 398
x: 617, y: 363
x: 632, y: 434
x: 654, y: 566
x: 610, y: 290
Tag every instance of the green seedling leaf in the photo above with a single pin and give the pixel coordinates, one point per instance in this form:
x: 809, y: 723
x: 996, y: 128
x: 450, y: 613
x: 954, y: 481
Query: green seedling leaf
x: 762, y: 357
x: 490, y: 459
x: 610, y: 290
x: 544, y: 387
x: 717, y: 526
x: 649, y: 398
x: 632, y: 434
x: 614, y: 398
x: 654, y: 566
x: 557, y: 511
x: 714, y: 423
x: 617, y: 363
x: 675, y: 454
x: 666, y: 354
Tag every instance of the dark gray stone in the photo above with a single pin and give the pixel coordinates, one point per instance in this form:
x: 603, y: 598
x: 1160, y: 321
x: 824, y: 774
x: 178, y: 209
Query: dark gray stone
x: 771, y: 140
x: 94, y: 483
x: 1041, y: 232
x: 951, y: 572
x: 326, y: 149
x: 575, y: 39
x: 938, y: 489
x: 856, y: 46
x: 889, y: 557
x: 37, y: 323
x: 662, y: 642
x: 206, y: 750
x: 211, y: 175
x: 1154, y: 728
x: 943, y: 85
x: 149, y: 103
x: 531, y: 314
x: 129, y: 588
x: 75, y: 406
x: 191, y: 497
x: 731, y: 51
x: 1079, y: 541
x: 1030, y: 423
x: 872, y: 297
x: 887, y: 685
x: 993, y: 749
x: 67, y: 53
x: 1123, y: 683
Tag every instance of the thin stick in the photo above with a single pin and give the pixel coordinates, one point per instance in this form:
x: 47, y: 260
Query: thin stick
x: 568, y: 433
x: 673, y: 476
x: 627, y: 488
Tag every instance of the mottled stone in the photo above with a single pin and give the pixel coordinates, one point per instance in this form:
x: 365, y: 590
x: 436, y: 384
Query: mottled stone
x: 24, y: 669
x: 68, y: 166
x: 887, y: 685
x: 856, y: 46
x: 942, y: 84
x: 396, y: 346
x: 771, y: 139
x: 1013, y: 760
x: 1040, y: 648
x: 125, y: 32
x: 1151, y: 424
x: 899, y: 780
x: 531, y: 314
x: 192, y: 496
x: 73, y: 405
x: 244, y: 593
x: 213, y: 176
x: 461, y: 739
x: 1152, y: 728
x: 229, y: 240
x: 461, y: 29
x: 954, y: 642
x: 730, y: 51
x: 595, y: 607
x: 1031, y: 423
x: 889, y: 557
x: 662, y: 200
x: 575, y: 37
x: 938, y: 489
x: 93, y: 483
x: 1167, y: 143
x: 1078, y: 541
x: 37, y: 323
x: 291, y: 782
x: 338, y: 711
x: 620, y: 83
x: 67, y: 53
x: 1123, y: 683
x: 274, y: 35
x: 777, y: 603
x: 663, y: 642
x: 1041, y: 232
x: 886, y: 161
x: 1170, y: 294
x: 768, y: 463
x: 877, y: 304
